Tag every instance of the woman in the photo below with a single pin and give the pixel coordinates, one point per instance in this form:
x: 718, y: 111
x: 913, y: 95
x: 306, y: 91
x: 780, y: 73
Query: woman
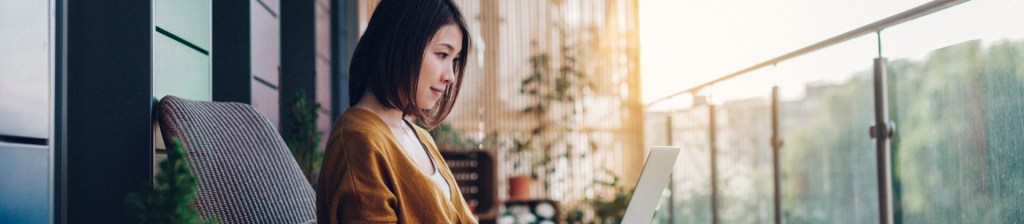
x: 378, y: 167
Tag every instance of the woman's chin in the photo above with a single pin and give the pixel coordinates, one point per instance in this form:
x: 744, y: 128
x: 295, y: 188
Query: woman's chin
x: 432, y: 105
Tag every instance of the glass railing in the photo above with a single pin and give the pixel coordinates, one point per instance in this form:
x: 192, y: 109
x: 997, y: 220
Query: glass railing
x: 827, y: 159
x: 955, y: 91
x: 742, y: 142
x: 690, y: 194
x: 957, y: 98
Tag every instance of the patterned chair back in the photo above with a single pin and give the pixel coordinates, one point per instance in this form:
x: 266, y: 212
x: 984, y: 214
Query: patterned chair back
x: 245, y: 172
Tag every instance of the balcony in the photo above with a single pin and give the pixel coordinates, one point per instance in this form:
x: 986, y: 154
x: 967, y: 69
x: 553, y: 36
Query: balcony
x: 786, y: 112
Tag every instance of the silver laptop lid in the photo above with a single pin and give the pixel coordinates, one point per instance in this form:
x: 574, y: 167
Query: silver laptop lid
x: 652, y: 182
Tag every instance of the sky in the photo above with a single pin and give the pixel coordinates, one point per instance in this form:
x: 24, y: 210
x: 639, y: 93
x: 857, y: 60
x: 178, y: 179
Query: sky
x: 684, y: 43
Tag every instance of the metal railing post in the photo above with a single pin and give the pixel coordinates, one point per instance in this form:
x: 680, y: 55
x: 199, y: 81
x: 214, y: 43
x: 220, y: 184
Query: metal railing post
x: 776, y: 142
x: 671, y: 176
x: 881, y: 131
x: 714, y: 163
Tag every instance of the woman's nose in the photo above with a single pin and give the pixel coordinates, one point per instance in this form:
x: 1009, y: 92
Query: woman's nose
x: 448, y: 77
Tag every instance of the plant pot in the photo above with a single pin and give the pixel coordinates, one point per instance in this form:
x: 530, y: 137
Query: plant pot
x: 519, y: 187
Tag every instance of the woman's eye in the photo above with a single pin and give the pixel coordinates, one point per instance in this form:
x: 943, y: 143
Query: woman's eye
x: 443, y: 55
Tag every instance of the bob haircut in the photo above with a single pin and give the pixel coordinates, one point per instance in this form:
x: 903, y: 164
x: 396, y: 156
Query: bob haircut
x: 388, y: 57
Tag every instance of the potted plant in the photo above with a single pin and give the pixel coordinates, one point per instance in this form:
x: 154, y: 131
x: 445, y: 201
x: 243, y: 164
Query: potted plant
x: 554, y: 94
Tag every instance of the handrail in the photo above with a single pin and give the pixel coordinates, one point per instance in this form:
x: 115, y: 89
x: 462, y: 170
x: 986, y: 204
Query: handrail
x: 877, y: 26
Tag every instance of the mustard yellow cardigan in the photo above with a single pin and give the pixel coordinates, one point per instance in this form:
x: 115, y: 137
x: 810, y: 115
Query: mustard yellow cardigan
x: 367, y: 178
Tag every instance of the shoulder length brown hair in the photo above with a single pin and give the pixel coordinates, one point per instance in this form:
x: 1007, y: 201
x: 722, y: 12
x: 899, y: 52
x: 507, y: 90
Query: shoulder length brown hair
x: 388, y: 57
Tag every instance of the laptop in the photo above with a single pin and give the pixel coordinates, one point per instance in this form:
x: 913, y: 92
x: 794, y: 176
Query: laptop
x: 652, y: 182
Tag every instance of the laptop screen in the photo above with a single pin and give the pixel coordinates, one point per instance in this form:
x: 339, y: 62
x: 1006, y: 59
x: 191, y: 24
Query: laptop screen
x: 652, y: 182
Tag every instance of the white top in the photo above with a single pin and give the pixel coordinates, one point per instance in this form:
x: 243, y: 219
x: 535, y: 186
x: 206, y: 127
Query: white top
x: 441, y: 182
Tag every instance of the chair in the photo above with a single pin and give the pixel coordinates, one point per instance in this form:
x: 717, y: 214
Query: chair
x: 245, y: 172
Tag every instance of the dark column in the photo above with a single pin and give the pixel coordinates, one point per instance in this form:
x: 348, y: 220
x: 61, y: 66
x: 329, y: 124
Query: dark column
x: 59, y: 141
x: 298, y: 56
x: 108, y: 98
x: 232, y: 61
x: 344, y: 36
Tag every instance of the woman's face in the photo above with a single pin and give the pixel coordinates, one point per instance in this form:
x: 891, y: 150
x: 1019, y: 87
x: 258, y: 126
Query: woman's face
x: 437, y: 69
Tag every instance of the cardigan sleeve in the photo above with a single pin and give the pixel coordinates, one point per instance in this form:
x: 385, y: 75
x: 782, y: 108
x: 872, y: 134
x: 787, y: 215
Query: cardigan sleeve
x: 363, y: 193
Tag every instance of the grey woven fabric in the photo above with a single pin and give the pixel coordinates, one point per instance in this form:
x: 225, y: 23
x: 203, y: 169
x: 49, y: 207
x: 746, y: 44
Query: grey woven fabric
x: 245, y: 172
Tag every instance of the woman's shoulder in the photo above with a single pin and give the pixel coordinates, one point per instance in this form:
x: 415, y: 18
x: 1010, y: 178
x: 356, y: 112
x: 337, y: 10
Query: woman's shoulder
x: 359, y: 126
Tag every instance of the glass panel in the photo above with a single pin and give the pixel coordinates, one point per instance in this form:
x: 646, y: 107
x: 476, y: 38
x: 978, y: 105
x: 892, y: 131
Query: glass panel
x: 25, y: 99
x: 23, y: 183
x: 689, y: 198
x: 957, y: 96
x: 188, y: 19
x: 266, y: 43
x: 323, y: 70
x: 265, y: 100
x: 743, y: 133
x: 827, y: 159
x: 272, y: 6
x: 24, y: 68
x: 179, y: 70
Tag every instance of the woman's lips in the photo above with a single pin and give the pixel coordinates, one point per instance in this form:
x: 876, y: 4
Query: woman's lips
x: 436, y: 91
